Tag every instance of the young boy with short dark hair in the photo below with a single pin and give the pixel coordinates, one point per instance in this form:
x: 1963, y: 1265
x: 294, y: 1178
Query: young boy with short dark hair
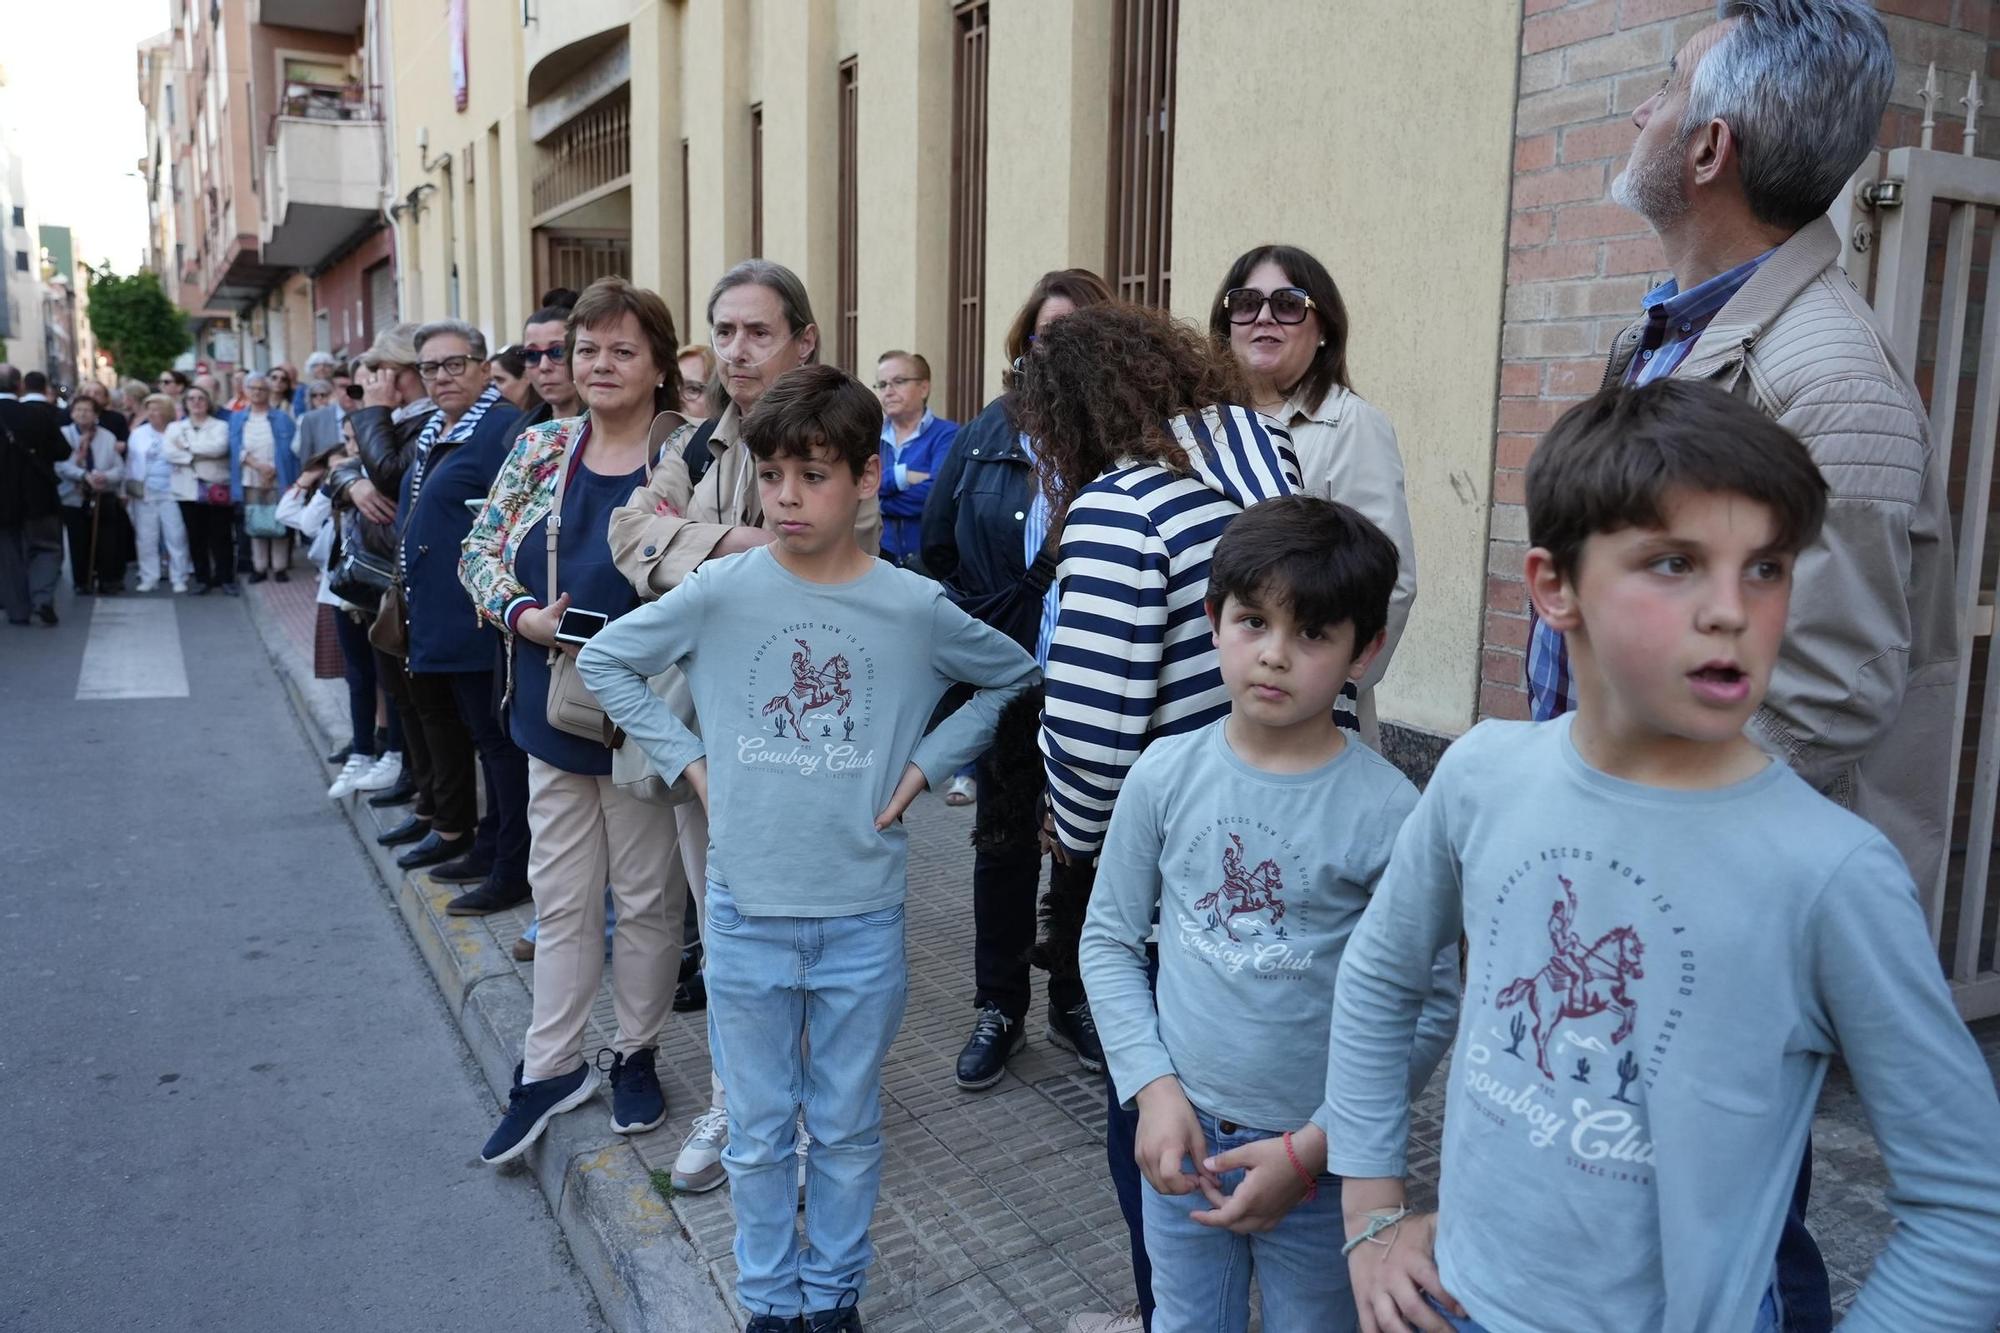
x: 814, y: 668
x: 1255, y: 843
x: 1671, y: 936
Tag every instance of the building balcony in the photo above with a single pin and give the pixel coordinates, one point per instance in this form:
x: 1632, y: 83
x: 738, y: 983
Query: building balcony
x: 323, y: 185
x: 341, y: 16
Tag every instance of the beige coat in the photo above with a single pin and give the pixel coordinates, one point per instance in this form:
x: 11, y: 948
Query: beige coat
x: 667, y: 527
x: 1347, y: 452
x: 1861, y: 701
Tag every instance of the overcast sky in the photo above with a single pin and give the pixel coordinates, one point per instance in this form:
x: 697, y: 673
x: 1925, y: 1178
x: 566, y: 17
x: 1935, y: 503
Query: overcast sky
x: 72, y: 110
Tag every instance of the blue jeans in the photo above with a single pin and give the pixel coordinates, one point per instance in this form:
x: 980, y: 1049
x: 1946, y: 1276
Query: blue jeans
x: 1767, y: 1316
x: 801, y: 1011
x: 1201, y: 1274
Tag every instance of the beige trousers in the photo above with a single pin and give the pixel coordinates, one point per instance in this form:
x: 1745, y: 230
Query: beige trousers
x: 587, y: 833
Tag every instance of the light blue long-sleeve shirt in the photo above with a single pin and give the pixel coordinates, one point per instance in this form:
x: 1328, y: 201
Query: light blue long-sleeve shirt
x: 1257, y: 878
x: 812, y: 698
x: 1657, y: 982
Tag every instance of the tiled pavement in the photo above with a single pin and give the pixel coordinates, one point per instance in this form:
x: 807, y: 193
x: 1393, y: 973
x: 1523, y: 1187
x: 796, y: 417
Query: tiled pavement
x: 996, y: 1212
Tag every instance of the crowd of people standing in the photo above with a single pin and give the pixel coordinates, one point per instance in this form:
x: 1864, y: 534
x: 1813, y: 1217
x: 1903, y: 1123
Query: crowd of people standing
x: 701, y: 621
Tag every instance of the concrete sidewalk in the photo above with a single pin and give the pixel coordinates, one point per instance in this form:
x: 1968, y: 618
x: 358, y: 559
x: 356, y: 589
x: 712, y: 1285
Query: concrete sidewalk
x: 996, y: 1210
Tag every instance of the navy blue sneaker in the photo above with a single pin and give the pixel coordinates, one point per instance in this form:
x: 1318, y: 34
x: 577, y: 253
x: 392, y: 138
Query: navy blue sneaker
x: 637, y: 1104
x: 530, y: 1107
x: 843, y: 1318
x: 773, y: 1323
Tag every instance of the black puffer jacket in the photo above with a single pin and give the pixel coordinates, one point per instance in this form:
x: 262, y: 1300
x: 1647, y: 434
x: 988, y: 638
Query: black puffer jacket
x: 387, y: 449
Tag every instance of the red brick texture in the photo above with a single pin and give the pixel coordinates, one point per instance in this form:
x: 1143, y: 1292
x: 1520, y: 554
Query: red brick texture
x: 1578, y: 265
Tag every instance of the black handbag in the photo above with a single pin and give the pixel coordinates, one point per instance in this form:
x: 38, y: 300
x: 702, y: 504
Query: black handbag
x: 1017, y: 611
x: 359, y: 577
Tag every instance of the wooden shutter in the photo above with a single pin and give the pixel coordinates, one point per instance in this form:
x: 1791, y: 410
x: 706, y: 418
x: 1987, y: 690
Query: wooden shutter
x: 849, y: 297
x: 1142, y: 149
x: 968, y: 213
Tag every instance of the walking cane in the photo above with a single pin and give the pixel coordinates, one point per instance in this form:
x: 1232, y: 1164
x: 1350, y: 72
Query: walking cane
x: 96, y: 512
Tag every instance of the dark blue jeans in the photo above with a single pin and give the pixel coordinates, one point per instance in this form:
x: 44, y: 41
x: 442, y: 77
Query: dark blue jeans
x: 1121, y: 1142
x: 357, y: 658
x: 1802, y: 1280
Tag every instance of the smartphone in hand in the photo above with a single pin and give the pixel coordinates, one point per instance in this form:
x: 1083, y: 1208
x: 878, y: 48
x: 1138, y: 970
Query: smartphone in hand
x: 579, y: 626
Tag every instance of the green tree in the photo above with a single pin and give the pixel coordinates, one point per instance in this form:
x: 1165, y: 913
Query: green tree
x: 135, y: 323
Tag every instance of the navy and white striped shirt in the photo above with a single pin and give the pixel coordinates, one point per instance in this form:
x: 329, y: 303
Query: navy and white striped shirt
x: 1132, y: 658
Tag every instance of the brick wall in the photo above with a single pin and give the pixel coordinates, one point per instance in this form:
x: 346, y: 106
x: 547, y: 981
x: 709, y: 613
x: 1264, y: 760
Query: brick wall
x: 1578, y: 265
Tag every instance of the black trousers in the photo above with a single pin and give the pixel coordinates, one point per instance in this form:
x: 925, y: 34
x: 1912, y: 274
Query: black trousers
x: 392, y: 672
x: 102, y: 561
x: 454, y: 763
x: 211, y: 542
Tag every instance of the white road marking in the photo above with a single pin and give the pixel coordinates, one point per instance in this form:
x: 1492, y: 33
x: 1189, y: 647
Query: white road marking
x: 134, y: 651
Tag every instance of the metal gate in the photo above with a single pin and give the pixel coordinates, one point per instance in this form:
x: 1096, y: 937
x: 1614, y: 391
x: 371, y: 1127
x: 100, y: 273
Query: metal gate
x: 1921, y: 223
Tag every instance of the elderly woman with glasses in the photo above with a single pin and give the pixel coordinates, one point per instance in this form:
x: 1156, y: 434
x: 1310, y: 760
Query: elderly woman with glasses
x: 452, y: 656
x: 1282, y: 319
x: 260, y: 442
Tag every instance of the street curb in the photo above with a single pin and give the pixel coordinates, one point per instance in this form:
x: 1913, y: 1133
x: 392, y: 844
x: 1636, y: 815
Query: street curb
x: 621, y: 1232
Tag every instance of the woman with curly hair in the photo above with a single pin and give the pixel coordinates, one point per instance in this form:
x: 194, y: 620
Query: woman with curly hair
x: 1145, y: 453
x: 986, y: 537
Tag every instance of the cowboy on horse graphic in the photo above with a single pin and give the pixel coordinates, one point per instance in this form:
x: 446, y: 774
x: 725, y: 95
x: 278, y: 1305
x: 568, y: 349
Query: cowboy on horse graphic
x: 813, y: 687
x: 1579, y: 980
x: 1242, y: 891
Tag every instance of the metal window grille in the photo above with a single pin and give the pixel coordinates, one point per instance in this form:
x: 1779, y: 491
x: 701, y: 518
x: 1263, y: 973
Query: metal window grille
x: 575, y: 259
x: 687, y: 266
x: 968, y: 212
x: 1142, y: 149
x: 757, y: 179
x: 591, y: 155
x: 847, y: 235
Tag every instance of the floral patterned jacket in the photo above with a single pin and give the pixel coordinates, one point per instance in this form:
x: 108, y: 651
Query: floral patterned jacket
x: 523, y: 493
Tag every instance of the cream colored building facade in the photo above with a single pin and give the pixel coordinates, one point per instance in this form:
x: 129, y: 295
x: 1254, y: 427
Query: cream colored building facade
x: 620, y: 135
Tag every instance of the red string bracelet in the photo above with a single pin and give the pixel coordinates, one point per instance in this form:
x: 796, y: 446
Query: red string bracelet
x: 1312, y: 1186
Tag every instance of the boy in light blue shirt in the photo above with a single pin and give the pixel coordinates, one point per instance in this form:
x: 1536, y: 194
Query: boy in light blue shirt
x: 1255, y: 843
x: 814, y: 668
x: 1670, y: 938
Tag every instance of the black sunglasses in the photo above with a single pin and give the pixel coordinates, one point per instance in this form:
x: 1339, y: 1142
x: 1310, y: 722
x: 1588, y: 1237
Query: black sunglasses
x: 532, y: 356
x: 1288, y: 304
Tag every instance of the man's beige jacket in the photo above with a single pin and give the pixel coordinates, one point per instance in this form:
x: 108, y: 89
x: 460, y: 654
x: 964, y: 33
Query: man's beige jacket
x: 1861, y: 701
x: 669, y: 527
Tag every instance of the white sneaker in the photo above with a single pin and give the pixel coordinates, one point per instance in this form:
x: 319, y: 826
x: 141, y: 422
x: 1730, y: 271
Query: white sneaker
x: 146, y: 585
x: 180, y: 587
x: 1118, y: 1321
x: 381, y: 773
x: 351, y: 773
x: 699, y: 1167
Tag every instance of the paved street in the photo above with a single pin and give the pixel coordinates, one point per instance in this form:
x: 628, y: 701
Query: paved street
x: 230, y: 1096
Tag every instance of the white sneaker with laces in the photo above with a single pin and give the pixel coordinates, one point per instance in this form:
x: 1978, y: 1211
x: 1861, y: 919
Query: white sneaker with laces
x: 699, y: 1167
x: 1118, y: 1321
x: 351, y: 773
x: 381, y: 773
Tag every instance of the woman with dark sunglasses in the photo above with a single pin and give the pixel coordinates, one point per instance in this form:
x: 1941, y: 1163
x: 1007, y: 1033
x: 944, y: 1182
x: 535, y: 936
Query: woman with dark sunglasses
x: 1279, y: 313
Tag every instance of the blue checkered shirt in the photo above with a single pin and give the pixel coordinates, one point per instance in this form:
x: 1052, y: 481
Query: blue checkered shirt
x: 1675, y: 321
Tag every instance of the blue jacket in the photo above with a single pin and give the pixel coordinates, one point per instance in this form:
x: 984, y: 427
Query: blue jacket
x: 445, y: 632
x: 903, y: 506
x: 283, y: 429
x: 978, y: 508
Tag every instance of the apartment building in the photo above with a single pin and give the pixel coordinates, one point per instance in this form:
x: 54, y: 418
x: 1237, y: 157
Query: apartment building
x: 266, y: 170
